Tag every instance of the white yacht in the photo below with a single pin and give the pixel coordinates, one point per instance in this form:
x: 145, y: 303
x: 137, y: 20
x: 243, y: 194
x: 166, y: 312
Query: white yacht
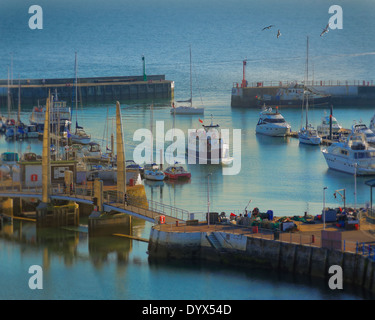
x: 354, y: 156
x: 370, y: 135
x: 207, y: 145
x: 324, y: 128
x: 272, y: 124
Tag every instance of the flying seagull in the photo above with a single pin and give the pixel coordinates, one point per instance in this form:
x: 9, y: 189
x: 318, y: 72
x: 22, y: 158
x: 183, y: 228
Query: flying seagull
x: 325, y: 30
x: 278, y: 34
x: 269, y: 27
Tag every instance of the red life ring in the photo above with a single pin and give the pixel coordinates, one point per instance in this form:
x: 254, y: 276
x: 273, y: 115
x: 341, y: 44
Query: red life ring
x: 162, y: 219
x: 34, y: 177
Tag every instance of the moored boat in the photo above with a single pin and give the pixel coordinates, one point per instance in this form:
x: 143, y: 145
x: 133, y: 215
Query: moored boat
x: 324, y: 128
x: 293, y: 97
x: 370, y: 135
x: 272, y: 123
x: 177, y: 171
x: 152, y: 172
x: 187, y: 109
x: 354, y: 156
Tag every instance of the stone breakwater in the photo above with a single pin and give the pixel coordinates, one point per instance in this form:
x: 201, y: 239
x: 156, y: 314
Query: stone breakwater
x: 243, y: 250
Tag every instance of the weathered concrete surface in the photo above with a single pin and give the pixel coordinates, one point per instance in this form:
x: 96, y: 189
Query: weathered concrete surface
x: 290, y: 257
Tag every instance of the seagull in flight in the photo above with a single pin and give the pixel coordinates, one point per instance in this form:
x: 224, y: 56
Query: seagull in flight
x: 278, y: 34
x: 325, y: 30
x: 269, y: 27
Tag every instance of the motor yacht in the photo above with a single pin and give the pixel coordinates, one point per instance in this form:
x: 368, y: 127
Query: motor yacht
x: 272, y: 124
x: 354, y: 156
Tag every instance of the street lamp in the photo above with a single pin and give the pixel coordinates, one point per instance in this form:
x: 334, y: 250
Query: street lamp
x: 355, y: 191
x: 324, y: 207
x: 355, y: 186
x: 208, y: 199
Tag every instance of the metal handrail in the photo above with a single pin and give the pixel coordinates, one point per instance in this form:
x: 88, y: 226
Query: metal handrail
x: 287, y: 83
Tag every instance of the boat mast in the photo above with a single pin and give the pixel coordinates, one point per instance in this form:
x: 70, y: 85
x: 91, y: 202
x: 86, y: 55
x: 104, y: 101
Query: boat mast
x: 76, y: 88
x: 307, y: 80
x: 191, y: 82
x: 8, y: 97
x: 19, y: 101
x: 152, y: 135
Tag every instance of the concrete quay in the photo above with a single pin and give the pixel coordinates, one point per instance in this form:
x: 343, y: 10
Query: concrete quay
x: 302, y: 252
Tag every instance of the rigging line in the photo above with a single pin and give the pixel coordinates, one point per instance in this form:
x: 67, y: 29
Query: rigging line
x: 199, y: 90
x: 272, y: 59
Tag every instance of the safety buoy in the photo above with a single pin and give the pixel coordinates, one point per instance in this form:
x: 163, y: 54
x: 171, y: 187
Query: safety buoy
x: 162, y: 219
x: 34, y: 177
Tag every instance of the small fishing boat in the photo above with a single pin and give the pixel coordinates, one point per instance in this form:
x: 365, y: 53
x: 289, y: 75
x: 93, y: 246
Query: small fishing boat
x: 176, y: 172
x: 152, y: 172
x: 293, y: 97
x: 324, y: 128
x: 272, y: 123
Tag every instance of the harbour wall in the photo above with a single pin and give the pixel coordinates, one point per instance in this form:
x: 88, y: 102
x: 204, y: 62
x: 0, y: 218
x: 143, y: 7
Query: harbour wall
x: 341, y: 95
x: 99, y: 89
x: 246, y: 251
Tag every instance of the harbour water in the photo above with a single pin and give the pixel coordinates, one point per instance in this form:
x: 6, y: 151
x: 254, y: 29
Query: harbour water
x: 276, y: 173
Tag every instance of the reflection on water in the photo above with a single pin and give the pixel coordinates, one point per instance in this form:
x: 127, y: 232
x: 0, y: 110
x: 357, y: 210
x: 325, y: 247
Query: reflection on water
x: 71, y: 244
x: 277, y: 283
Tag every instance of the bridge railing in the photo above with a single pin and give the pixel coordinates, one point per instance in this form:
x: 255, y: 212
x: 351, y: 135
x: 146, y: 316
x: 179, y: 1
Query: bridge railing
x: 155, y: 209
x: 168, y: 210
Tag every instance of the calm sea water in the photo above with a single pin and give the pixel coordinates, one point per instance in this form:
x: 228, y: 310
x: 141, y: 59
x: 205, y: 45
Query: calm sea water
x: 276, y: 173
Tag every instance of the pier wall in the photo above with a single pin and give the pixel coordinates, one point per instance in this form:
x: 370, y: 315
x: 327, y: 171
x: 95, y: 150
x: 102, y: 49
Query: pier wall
x: 341, y: 95
x: 247, y: 251
x: 89, y: 89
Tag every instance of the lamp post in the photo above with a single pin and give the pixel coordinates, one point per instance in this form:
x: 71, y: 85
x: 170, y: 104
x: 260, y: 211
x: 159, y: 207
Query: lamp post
x: 324, y: 207
x: 208, y: 199
x: 355, y: 186
x: 355, y: 191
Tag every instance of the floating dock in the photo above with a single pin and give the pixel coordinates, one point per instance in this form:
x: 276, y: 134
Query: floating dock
x: 98, y: 89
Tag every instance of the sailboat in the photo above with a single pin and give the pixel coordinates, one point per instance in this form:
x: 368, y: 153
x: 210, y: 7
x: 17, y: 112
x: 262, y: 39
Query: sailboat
x: 80, y: 136
x: 308, y: 134
x: 9, y: 128
x: 187, y: 109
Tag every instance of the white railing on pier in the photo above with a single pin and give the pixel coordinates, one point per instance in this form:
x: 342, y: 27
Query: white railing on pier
x: 315, y: 83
